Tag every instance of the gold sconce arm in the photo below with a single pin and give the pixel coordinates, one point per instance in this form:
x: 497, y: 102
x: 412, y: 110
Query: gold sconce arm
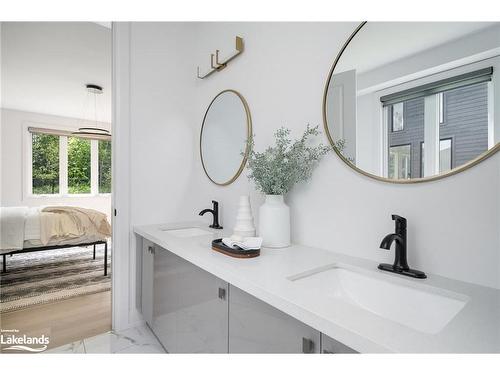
x: 219, y: 65
x: 239, y: 49
x: 212, y: 61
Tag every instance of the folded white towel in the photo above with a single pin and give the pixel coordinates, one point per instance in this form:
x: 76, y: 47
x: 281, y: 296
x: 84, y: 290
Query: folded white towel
x: 248, y: 243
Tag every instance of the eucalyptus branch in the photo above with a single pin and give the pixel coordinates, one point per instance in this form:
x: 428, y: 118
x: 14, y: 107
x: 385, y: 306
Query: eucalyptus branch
x: 276, y: 170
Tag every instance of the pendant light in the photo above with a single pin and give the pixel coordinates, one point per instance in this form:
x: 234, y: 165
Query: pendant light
x: 93, y: 91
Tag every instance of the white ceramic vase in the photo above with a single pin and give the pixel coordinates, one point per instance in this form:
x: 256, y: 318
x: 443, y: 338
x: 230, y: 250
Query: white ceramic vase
x: 244, y: 220
x: 274, y: 222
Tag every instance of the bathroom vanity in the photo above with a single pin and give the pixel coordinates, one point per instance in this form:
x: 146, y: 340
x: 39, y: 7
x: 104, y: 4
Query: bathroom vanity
x: 192, y: 311
x: 301, y: 300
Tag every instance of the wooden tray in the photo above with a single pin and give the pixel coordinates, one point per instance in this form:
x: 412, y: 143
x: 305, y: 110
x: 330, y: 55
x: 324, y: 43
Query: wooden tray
x: 219, y: 246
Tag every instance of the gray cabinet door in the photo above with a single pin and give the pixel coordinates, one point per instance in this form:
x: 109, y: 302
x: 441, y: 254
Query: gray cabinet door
x: 147, y: 281
x: 190, y: 306
x: 331, y: 346
x: 256, y: 327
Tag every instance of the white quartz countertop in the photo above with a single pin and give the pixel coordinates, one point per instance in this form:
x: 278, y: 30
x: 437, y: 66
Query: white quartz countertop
x: 476, y: 327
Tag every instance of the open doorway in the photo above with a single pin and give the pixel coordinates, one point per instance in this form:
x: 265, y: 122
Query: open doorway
x: 56, y: 196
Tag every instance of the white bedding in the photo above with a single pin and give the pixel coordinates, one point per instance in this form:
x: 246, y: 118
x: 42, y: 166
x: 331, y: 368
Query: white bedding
x: 21, y: 227
x: 32, y: 224
x: 12, y: 221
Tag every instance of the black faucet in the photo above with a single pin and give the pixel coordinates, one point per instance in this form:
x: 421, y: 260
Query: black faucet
x: 400, y: 262
x: 215, y: 213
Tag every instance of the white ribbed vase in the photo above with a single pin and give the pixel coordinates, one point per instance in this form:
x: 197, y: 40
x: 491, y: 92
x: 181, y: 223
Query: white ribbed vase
x: 274, y: 222
x: 244, y: 220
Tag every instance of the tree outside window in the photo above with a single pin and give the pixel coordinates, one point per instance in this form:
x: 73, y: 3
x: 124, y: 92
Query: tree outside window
x: 45, y: 166
x: 82, y: 155
x: 104, y: 167
x: 78, y: 166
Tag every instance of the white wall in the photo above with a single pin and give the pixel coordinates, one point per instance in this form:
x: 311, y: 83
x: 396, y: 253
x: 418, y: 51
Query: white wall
x: 13, y: 162
x: 369, y: 134
x: 162, y: 81
x: 154, y: 107
x: 453, y: 223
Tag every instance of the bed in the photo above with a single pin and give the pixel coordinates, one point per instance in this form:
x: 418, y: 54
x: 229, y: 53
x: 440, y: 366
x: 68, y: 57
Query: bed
x: 24, y: 229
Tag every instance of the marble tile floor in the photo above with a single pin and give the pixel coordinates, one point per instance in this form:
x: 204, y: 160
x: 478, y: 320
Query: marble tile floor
x: 133, y: 340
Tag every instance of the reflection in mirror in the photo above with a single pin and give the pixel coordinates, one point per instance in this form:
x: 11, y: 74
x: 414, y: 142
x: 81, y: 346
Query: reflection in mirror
x: 224, y: 134
x: 413, y: 100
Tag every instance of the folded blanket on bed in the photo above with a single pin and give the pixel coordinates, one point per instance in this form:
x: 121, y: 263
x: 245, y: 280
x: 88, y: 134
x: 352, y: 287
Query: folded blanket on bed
x: 12, y: 227
x: 71, y: 222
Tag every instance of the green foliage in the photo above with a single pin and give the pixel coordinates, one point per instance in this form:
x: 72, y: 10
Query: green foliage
x: 276, y: 170
x: 104, y: 167
x: 45, y: 172
x: 78, y: 165
x: 340, y: 145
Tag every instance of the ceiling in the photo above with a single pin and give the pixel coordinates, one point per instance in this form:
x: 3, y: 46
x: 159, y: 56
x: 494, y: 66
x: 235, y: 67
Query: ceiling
x: 45, y: 66
x: 380, y: 43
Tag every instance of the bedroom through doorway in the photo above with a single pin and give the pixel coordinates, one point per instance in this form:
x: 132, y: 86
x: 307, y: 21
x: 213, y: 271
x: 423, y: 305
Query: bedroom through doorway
x: 56, y: 182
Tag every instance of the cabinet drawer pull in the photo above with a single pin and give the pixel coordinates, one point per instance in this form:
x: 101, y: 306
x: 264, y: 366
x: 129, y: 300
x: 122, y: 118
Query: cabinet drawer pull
x: 151, y: 249
x: 307, y: 345
x: 222, y: 294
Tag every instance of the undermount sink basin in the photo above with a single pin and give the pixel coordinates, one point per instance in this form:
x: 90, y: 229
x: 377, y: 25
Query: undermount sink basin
x: 187, y: 232
x: 410, y: 303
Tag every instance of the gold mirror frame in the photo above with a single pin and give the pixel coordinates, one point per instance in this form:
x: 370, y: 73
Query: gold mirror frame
x: 462, y: 168
x: 249, y: 134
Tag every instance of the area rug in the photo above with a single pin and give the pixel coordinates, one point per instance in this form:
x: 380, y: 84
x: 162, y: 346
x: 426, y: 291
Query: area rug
x: 53, y: 275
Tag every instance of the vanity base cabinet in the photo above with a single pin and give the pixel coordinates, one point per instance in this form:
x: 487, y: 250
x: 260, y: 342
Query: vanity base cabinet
x: 193, y: 311
x: 256, y: 327
x: 332, y: 346
x: 190, y: 310
x: 148, y: 249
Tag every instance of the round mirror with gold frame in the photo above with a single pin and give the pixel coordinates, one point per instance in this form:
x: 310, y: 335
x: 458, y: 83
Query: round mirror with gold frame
x: 226, y: 128
x: 409, y: 102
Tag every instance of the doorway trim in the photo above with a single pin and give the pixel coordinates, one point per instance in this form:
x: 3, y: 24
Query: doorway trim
x: 120, y: 283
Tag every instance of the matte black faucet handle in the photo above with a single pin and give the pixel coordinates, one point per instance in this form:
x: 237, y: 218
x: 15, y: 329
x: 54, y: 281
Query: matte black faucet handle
x: 399, y: 219
x: 400, y: 224
x: 215, y: 203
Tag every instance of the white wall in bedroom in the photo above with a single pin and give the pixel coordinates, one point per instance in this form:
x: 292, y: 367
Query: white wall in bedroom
x: 44, y: 69
x: 13, y: 165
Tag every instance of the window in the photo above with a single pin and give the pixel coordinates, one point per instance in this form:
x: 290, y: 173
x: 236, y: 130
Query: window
x: 79, y: 166
x: 441, y: 107
x: 445, y: 155
x: 397, y: 117
x: 64, y: 164
x: 452, y: 115
x: 400, y: 162
x: 45, y: 164
x: 104, y: 167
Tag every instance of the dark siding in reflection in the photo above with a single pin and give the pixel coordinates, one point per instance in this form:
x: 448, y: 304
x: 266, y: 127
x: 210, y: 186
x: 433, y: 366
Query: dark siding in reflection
x: 465, y: 122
